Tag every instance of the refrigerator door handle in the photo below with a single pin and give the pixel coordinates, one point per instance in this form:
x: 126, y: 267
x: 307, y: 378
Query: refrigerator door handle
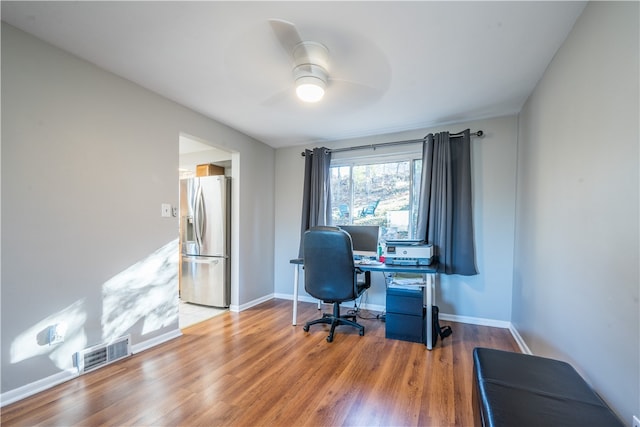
x: 202, y: 260
x: 198, y: 212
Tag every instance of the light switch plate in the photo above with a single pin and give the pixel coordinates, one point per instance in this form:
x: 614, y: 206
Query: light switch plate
x: 166, y: 210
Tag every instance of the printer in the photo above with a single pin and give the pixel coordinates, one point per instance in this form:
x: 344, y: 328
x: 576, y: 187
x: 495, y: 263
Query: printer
x: 407, y: 252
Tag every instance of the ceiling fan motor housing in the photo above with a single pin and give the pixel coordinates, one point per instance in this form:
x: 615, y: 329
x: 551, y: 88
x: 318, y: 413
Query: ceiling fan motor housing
x: 310, y: 71
x: 310, y: 61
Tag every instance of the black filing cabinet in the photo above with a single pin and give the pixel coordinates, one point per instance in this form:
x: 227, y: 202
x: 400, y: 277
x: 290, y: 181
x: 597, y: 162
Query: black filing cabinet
x: 405, y: 314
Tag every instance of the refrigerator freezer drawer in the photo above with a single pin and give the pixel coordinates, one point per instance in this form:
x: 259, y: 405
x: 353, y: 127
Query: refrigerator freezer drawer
x: 205, y: 280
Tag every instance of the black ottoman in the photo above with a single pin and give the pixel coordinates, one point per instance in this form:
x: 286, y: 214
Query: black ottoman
x: 514, y: 389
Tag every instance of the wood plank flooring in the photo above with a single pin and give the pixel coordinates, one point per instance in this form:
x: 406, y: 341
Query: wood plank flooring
x: 254, y: 369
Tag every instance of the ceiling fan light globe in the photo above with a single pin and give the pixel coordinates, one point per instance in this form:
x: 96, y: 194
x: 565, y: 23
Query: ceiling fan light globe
x: 310, y: 89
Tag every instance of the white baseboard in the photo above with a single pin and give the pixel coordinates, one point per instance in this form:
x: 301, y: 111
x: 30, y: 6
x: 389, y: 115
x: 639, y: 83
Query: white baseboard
x: 30, y: 389
x: 373, y: 307
x: 237, y: 308
x: 145, y: 345
x: 303, y: 298
x: 449, y: 317
x: 43, y: 384
x: 475, y: 320
x: 519, y: 340
x: 493, y: 323
x: 504, y: 324
x: 306, y: 298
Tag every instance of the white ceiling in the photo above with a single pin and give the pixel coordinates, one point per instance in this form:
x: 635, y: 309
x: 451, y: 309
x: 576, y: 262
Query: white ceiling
x: 393, y: 66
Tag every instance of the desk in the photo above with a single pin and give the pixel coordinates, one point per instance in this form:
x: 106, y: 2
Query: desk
x: 428, y: 271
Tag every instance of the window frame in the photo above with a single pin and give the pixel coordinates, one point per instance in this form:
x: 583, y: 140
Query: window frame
x: 412, y: 156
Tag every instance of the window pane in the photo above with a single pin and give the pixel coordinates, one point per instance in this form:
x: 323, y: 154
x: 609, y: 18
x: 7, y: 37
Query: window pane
x: 381, y: 196
x: 341, y: 195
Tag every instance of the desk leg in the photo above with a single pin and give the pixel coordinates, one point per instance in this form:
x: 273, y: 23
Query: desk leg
x: 428, y: 301
x: 296, y: 279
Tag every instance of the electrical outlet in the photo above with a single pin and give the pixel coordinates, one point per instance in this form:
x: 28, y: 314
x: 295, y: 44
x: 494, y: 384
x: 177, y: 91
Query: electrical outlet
x: 57, y: 332
x: 636, y: 421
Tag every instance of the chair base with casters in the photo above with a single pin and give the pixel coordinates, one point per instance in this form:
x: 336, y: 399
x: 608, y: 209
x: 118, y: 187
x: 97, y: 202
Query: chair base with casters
x: 335, y: 319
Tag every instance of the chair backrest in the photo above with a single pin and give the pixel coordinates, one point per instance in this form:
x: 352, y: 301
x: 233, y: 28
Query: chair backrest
x: 329, y: 270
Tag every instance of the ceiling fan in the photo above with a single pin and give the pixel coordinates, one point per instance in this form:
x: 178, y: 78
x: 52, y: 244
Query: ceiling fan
x: 311, y: 69
x: 310, y: 61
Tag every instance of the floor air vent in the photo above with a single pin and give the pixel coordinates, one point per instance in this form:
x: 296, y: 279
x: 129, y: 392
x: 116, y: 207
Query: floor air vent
x: 99, y: 355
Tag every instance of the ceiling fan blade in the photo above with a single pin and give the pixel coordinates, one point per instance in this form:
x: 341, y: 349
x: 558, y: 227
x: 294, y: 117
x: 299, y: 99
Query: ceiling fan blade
x: 286, y: 33
x: 350, y: 85
x: 344, y: 94
x: 279, y: 98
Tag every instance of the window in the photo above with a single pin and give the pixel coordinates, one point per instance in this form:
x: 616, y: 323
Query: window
x: 377, y: 192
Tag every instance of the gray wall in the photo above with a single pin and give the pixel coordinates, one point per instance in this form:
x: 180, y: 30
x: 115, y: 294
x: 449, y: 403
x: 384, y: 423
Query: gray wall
x: 575, y: 294
x: 87, y: 160
x: 485, y: 297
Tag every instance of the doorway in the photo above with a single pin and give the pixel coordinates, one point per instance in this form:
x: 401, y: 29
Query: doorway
x: 194, y: 152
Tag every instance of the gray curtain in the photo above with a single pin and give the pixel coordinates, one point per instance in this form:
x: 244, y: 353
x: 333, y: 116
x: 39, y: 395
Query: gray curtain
x: 316, y: 198
x: 445, y: 210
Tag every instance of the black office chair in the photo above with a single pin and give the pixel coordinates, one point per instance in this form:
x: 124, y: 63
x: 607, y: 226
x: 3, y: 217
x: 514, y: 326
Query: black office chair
x: 330, y: 274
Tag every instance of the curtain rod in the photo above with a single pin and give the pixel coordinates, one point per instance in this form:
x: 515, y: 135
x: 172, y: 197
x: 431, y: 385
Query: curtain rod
x: 389, y: 144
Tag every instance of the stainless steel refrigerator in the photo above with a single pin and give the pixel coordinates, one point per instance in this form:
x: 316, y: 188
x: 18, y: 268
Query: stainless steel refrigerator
x: 205, y: 240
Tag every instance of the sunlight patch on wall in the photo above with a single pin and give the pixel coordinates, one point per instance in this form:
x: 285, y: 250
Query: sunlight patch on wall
x: 147, y: 291
x: 35, y: 340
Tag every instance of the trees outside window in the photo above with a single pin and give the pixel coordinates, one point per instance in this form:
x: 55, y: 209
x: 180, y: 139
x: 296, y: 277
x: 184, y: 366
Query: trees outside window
x: 379, y: 193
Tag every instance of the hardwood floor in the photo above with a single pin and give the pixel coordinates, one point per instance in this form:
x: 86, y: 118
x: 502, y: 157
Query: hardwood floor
x: 254, y: 369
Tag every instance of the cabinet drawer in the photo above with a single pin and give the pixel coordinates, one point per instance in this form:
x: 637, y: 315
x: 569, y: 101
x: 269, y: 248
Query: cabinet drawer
x: 405, y: 301
x: 404, y: 327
